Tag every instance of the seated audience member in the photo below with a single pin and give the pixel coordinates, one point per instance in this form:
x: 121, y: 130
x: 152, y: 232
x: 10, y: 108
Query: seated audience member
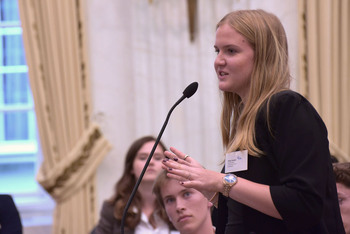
x: 10, y: 221
x: 342, y: 177
x: 141, y: 216
x: 187, y: 209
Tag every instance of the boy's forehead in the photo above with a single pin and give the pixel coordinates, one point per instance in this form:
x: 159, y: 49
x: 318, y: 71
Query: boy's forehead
x: 171, y: 187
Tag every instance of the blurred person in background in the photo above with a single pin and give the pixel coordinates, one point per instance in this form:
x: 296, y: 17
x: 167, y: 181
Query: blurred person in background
x: 141, y: 217
x: 342, y: 178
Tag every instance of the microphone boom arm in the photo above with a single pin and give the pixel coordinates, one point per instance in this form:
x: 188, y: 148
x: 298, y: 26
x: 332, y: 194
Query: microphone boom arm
x: 188, y: 92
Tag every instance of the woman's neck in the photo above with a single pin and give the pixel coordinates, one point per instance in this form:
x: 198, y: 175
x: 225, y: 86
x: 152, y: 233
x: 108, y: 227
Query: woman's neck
x: 148, y: 198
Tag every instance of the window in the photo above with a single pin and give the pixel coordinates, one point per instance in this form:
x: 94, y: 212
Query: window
x: 19, y: 151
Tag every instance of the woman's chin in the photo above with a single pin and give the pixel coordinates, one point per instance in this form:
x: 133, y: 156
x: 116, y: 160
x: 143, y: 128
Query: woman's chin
x: 224, y: 88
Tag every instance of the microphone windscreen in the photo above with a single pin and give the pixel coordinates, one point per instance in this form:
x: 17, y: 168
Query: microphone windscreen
x: 190, y: 89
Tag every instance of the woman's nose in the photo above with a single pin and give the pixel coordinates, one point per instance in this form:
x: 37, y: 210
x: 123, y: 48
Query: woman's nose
x: 219, y: 60
x: 152, y: 161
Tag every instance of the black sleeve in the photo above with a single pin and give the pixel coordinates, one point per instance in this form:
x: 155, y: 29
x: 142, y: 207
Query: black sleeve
x: 10, y: 221
x: 302, y: 154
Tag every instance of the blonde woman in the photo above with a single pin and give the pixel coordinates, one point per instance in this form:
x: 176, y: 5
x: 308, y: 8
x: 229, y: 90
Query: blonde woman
x: 277, y: 176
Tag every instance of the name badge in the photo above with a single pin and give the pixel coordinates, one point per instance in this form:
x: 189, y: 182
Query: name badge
x: 236, y: 161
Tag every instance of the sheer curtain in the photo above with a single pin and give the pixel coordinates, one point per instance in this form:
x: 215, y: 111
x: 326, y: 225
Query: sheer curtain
x: 72, y: 146
x: 324, y: 68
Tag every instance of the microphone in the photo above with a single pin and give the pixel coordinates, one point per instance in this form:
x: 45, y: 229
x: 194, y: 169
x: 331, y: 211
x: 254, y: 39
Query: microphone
x: 187, y: 93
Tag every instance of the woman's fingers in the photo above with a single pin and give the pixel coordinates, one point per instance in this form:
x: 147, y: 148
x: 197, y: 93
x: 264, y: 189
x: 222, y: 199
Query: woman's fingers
x: 178, y: 156
x: 175, y: 176
x: 177, y: 152
x: 179, y: 171
x: 174, y: 167
x: 183, y: 168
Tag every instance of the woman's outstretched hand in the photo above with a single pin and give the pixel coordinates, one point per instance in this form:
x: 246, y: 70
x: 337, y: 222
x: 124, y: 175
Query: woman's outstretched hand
x: 190, y: 173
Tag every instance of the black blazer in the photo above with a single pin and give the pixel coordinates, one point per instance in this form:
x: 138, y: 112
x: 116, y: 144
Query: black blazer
x: 297, y: 167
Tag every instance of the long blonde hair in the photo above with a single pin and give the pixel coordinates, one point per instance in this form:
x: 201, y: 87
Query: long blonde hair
x: 270, y: 75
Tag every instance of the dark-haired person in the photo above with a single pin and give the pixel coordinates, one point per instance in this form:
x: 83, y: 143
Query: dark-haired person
x: 342, y: 178
x: 141, y: 218
x: 10, y: 220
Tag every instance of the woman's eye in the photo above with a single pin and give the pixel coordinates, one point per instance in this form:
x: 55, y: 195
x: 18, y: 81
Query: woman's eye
x: 231, y: 51
x: 158, y: 157
x: 217, y: 51
x: 187, y: 194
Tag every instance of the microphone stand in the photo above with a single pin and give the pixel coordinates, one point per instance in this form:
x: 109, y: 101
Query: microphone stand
x: 189, y: 91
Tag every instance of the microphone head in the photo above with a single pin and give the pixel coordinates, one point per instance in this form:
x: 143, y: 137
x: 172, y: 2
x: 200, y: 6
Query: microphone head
x: 190, y: 89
